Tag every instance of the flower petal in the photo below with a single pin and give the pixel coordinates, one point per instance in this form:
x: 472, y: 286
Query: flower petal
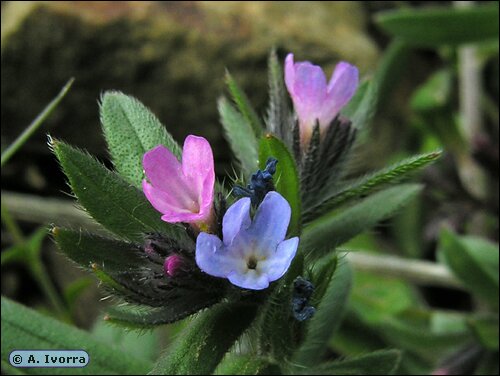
x: 251, y: 279
x: 198, y: 167
x: 310, y: 91
x: 341, y: 88
x: 236, y: 217
x: 278, y: 263
x: 214, y: 259
x: 270, y: 223
x: 290, y: 74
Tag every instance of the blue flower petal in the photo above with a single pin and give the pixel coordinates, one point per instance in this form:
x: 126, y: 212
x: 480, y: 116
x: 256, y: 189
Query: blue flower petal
x: 213, y: 258
x: 236, y: 217
x: 251, y: 279
x: 271, y: 222
x: 278, y: 263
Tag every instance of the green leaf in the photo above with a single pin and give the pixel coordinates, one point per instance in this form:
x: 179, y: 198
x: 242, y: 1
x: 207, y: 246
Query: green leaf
x: 75, y: 289
x: 334, y: 228
x: 110, y: 200
x: 278, y: 328
x: 327, y: 319
x: 375, y: 297
x: 234, y: 364
x: 28, y: 253
x: 486, y: 330
x: 244, y: 106
x: 240, y: 136
x: 383, y: 362
x: 434, y: 27
x: 286, y: 178
x: 434, y: 94
x: 279, y: 118
x: 371, y: 95
x: 24, y: 328
x: 474, y: 261
x: 203, y: 344
x: 144, y: 344
x: 110, y: 254
x: 131, y: 130
x: 371, y: 182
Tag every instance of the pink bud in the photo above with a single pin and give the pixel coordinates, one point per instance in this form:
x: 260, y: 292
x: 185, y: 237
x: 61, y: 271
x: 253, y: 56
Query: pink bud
x: 174, y: 265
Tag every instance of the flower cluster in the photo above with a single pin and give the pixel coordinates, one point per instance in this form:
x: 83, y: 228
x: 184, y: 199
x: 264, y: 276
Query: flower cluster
x: 249, y: 252
x: 253, y: 253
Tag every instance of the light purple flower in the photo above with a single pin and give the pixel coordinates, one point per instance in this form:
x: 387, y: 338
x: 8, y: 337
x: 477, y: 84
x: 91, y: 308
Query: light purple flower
x: 253, y: 252
x: 181, y: 192
x: 314, y: 99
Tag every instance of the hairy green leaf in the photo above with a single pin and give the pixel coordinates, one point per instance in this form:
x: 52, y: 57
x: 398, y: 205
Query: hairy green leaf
x: 110, y: 254
x: 434, y: 27
x: 131, y: 130
x: 110, y: 200
x: 206, y: 340
x: 24, y: 328
x: 335, y: 228
x: 383, y: 362
x: 327, y: 319
x: 243, y: 104
x: 279, y: 119
x: 371, y: 182
x: 286, y: 179
x: 240, y: 136
x: 234, y: 364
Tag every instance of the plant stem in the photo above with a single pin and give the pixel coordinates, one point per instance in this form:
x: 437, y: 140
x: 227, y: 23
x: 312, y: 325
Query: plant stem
x: 418, y: 272
x: 35, y: 124
x: 11, y: 225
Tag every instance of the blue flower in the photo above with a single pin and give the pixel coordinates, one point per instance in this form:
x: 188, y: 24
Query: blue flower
x: 253, y: 252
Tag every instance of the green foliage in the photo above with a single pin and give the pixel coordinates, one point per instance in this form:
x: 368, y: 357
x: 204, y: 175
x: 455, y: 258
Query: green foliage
x: 383, y: 362
x: 240, y: 135
x: 247, y: 365
x: 434, y: 27
x: 334, y: 228
x: 485, y: 327
x: 23, y: 328
x: 109, y: 199
x: 243, y: 104
x: 474, y: 261
x: 110, y: 254
x: 327, y: 319
x: 278, y: 328
x: 286, y: 178
x: 279, y: 117
x: 373, y: 181
x: 131, y: 130
x: 205, y: 342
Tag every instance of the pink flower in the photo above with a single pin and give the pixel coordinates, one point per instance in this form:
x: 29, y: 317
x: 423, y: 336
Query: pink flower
x: 181, y: 192
x: 314, y: 99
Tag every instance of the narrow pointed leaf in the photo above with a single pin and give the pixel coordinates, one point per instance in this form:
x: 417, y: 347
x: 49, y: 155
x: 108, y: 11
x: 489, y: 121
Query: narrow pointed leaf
x: 240, y: 136
x: 384, y: 362
x: 335, y: 228
x: 327, y: 319
x: 110, y: 200
x: 243, y: 105
x: 131, y: 130
x: 24, y: 328
x: 279, y: 119
x: 110, y: 254
x: 371, y: 182
x: 203, y: 344
x: 286, y: 179
x: 434, y: 27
